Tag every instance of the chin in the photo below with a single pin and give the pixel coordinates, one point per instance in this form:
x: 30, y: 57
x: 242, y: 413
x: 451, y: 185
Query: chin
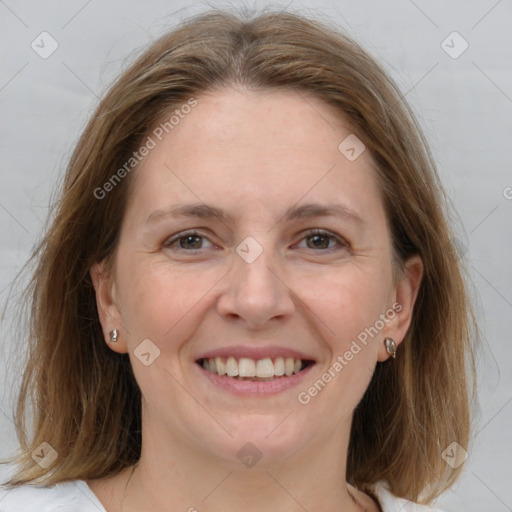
x: 265, y: 440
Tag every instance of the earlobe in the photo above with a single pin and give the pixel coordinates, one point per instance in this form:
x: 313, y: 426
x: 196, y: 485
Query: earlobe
x: 106, y: 303
x: 405, y: 298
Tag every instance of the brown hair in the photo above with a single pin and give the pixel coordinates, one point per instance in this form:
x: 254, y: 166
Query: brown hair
x: 85, y: 398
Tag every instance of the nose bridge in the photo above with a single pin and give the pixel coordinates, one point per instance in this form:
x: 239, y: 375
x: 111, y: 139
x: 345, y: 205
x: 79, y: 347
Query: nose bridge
x: 252, y: 270
x: 255, y: 291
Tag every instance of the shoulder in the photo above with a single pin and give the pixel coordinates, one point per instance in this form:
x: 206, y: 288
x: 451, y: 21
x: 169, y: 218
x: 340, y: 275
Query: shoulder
x: 391, y: 503
x: 74, y: 496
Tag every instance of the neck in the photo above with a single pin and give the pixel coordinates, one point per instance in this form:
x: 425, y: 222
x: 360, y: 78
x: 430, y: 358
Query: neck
x: 236, y: 490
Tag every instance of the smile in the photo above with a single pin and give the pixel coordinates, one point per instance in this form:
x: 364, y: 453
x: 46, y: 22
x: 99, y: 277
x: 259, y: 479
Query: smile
x: 259, y: 377
x: 244, y: 368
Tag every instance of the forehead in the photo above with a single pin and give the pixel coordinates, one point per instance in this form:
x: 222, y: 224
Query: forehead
x: 258, y: 149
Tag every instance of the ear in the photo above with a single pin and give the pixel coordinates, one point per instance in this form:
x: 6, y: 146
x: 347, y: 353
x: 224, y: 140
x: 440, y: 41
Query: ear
x: 108, y: 309
x: 403, y: 305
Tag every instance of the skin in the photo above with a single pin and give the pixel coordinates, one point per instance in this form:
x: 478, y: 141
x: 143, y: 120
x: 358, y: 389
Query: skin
x: 253, y: 154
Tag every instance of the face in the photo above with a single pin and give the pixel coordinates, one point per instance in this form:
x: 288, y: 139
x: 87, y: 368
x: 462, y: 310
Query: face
x: 251, y: 240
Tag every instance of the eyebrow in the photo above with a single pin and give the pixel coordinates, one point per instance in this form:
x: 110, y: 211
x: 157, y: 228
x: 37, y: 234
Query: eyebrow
x: 309, y: 210
x: 206, y: 211
x: 199, y: 210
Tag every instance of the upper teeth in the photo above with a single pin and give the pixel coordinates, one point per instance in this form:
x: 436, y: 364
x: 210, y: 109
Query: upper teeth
x: 245, y: 367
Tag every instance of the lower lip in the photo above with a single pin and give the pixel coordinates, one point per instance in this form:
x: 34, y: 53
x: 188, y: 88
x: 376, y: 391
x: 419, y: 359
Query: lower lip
x: 255, y: 388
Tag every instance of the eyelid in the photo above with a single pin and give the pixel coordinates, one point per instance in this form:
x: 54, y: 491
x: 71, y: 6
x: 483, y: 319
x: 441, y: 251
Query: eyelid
x: 182, y: 234
x: 342, y: 242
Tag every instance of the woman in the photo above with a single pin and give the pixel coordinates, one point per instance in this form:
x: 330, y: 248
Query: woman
x: 314, y: 332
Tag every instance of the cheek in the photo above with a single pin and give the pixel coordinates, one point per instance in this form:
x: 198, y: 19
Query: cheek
x: 159, y: 298
x: 347, y: 301
x: 351, y: 302
x: 351, y: 307
x: 162, y: 303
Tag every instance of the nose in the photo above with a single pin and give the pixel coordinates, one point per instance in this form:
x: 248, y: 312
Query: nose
x: 255, y: 293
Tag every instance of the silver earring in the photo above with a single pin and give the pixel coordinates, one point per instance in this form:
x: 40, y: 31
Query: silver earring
x: 390, y: 347
x: 114, y: 335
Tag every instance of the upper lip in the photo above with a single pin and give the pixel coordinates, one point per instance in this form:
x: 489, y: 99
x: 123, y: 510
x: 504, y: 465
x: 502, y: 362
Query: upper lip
x: 256, y: 353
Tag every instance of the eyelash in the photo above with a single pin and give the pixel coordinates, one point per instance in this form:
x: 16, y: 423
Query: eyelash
x: 309, y: 233
x: 342, y: 243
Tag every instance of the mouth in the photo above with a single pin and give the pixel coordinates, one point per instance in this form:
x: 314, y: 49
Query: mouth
x: 267, y: 369
x: 251, y: 371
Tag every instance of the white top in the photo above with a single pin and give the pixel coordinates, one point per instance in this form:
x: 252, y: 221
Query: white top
x: 76, y: 496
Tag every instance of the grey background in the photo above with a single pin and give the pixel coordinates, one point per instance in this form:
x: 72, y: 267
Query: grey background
x: 464, y: 105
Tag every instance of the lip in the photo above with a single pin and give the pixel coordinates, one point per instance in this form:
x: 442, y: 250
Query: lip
x: 250, y: 388
x: 255, y: 353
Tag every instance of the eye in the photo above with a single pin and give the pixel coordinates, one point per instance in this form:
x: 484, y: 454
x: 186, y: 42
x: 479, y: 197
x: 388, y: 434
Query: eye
x: 188, y: 241
x: 320, y: 239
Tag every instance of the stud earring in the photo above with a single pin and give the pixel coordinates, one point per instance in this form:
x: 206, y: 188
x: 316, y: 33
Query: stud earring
x: 390, y: 347
x: 114, y: 335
